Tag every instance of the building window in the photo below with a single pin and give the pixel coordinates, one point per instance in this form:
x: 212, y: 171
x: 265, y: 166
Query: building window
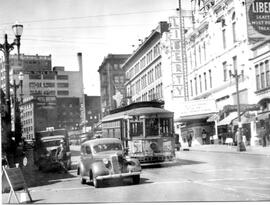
x: 50, y: 76
x: 205, y: 81
x: 233, y: 27
x: 62, y: 77
x: 224, y: 38
x: 210, y: 78
x: 267, y: 73
x: 191, y: 88
x: 224, y: 65
x: 35, y: 76
x: 48, y: 85
x: 194, y: 56
x: 257, y: 77
x: 204, y: 51
x: 200, y: 55
x: 62, y: 85
x: 62, y: 92
x: 262, y: 76
x: 200, y: 81
x: 196, y: 88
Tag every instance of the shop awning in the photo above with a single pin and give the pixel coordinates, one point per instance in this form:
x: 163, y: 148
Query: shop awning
x: 213, y: 118
x: 245, y: 119
x: 193, y: 117
x: 227, y: 120
x: 263, y: 116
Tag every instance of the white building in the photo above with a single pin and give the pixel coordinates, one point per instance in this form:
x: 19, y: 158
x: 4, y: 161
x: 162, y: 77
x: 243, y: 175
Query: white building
x: 218, y: 48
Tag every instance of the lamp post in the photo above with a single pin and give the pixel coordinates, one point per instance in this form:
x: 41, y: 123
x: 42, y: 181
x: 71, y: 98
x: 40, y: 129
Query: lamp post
x: 17, y: 118
x: 240, y: 145
x: 6, y: 48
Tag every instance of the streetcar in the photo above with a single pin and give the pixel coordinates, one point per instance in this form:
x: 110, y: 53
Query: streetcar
x: 145, y: 129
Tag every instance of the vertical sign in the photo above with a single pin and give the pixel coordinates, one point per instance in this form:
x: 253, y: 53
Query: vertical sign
x: 176, y: 59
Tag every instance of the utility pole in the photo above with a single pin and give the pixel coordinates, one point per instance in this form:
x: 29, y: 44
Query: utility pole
x: 240, y: 144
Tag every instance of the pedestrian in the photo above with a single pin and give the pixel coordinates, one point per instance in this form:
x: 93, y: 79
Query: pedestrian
x: 61, y: 155
x: 212, y: 139
x: 189, y: 140
x: 204, y: 136
x: 264, y: 136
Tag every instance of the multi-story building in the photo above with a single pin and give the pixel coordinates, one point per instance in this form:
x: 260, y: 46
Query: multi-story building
x: 41, y: 80
x: 37, y: 113
x: 112, y: 79
x: 144, y: 68
x: 261, y: 75
x: 218, y: 52
x: 93, y: 111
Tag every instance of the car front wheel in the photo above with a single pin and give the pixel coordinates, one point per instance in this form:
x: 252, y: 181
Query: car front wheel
x: 136, y: 179
x: 83, y: 181
x: 96, y: 183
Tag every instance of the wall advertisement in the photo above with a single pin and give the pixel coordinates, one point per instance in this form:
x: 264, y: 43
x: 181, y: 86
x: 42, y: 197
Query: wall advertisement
x: 258, y: 19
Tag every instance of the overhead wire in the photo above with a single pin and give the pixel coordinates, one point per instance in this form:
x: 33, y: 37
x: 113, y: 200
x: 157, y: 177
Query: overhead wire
x: 92, y: 16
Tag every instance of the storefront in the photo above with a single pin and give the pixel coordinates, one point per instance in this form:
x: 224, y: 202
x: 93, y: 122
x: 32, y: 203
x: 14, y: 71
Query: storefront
x: 193, y: 120
x: 263, y: 123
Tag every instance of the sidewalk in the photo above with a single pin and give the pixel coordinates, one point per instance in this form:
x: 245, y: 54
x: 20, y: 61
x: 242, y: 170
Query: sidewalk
x: 254, y: 150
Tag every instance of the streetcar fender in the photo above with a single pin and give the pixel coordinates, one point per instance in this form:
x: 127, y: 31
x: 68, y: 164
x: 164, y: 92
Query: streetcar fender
x: 133, y: 165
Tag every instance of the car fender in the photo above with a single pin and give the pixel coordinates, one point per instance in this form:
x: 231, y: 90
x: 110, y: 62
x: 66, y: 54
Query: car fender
x: 98, y: 169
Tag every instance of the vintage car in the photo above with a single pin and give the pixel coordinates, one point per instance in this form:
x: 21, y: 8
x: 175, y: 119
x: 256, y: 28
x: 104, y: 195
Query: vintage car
x: 104, y: 158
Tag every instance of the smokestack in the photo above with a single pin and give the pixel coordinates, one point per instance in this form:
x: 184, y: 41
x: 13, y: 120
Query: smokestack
x: 80, y: 61
x: 83, y: 112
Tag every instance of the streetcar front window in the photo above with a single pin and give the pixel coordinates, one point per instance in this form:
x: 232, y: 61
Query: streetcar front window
x: 165, y: 126
x: 136, y: 129
x: 151, y: 127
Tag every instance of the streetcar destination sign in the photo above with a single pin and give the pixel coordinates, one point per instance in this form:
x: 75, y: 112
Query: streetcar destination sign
x: 259, y: 16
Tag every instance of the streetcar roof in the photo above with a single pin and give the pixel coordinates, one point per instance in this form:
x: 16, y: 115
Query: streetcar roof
x: 136, y: 111
x: 101, y: 141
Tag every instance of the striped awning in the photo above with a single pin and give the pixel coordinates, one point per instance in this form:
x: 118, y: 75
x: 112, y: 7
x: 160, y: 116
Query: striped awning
x: 213, y: 118
x: 227, y: 120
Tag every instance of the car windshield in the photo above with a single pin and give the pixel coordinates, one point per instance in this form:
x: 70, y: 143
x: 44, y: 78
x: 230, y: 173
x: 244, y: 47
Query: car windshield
x: 51, y: 143
x: 107, y: 147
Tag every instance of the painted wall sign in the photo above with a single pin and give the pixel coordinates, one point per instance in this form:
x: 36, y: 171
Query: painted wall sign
x: 258, y: 18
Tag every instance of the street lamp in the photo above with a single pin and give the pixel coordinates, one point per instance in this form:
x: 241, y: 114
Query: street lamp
x: 240, y: 145
x: 17, y: 118
x: 6, y: 48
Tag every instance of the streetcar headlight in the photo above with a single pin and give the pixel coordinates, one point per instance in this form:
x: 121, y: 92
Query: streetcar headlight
x: 105, y: 161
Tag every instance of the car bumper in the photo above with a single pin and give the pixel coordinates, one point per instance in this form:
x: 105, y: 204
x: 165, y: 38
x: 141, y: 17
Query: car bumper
x: 115, y: 176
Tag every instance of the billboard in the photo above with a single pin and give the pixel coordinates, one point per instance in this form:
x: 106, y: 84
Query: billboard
x: 258, y: 19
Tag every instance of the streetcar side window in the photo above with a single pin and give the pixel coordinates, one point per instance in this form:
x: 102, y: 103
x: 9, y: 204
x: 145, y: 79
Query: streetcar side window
x: 151, y: 127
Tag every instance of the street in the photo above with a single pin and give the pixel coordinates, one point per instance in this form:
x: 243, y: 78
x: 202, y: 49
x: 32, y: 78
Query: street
x: 195, y: 176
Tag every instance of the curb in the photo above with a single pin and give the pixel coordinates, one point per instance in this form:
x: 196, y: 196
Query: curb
x: 230, y: 151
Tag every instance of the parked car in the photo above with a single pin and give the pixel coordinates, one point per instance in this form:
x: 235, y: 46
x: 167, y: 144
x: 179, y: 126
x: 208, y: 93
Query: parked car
x: 104, y: 158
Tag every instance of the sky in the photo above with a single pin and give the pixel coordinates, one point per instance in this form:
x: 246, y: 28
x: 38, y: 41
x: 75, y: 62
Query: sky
x: 96, y: 28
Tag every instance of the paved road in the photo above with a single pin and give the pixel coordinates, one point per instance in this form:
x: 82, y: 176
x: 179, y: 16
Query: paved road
x: 196, y: 176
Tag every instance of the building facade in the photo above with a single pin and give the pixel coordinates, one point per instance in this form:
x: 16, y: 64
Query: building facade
x: 112, y: 79
x: 261, y: 76
x: 93, y: 111
x: 40, y: 80
x: 220, y: 71
x: 144, y: 68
